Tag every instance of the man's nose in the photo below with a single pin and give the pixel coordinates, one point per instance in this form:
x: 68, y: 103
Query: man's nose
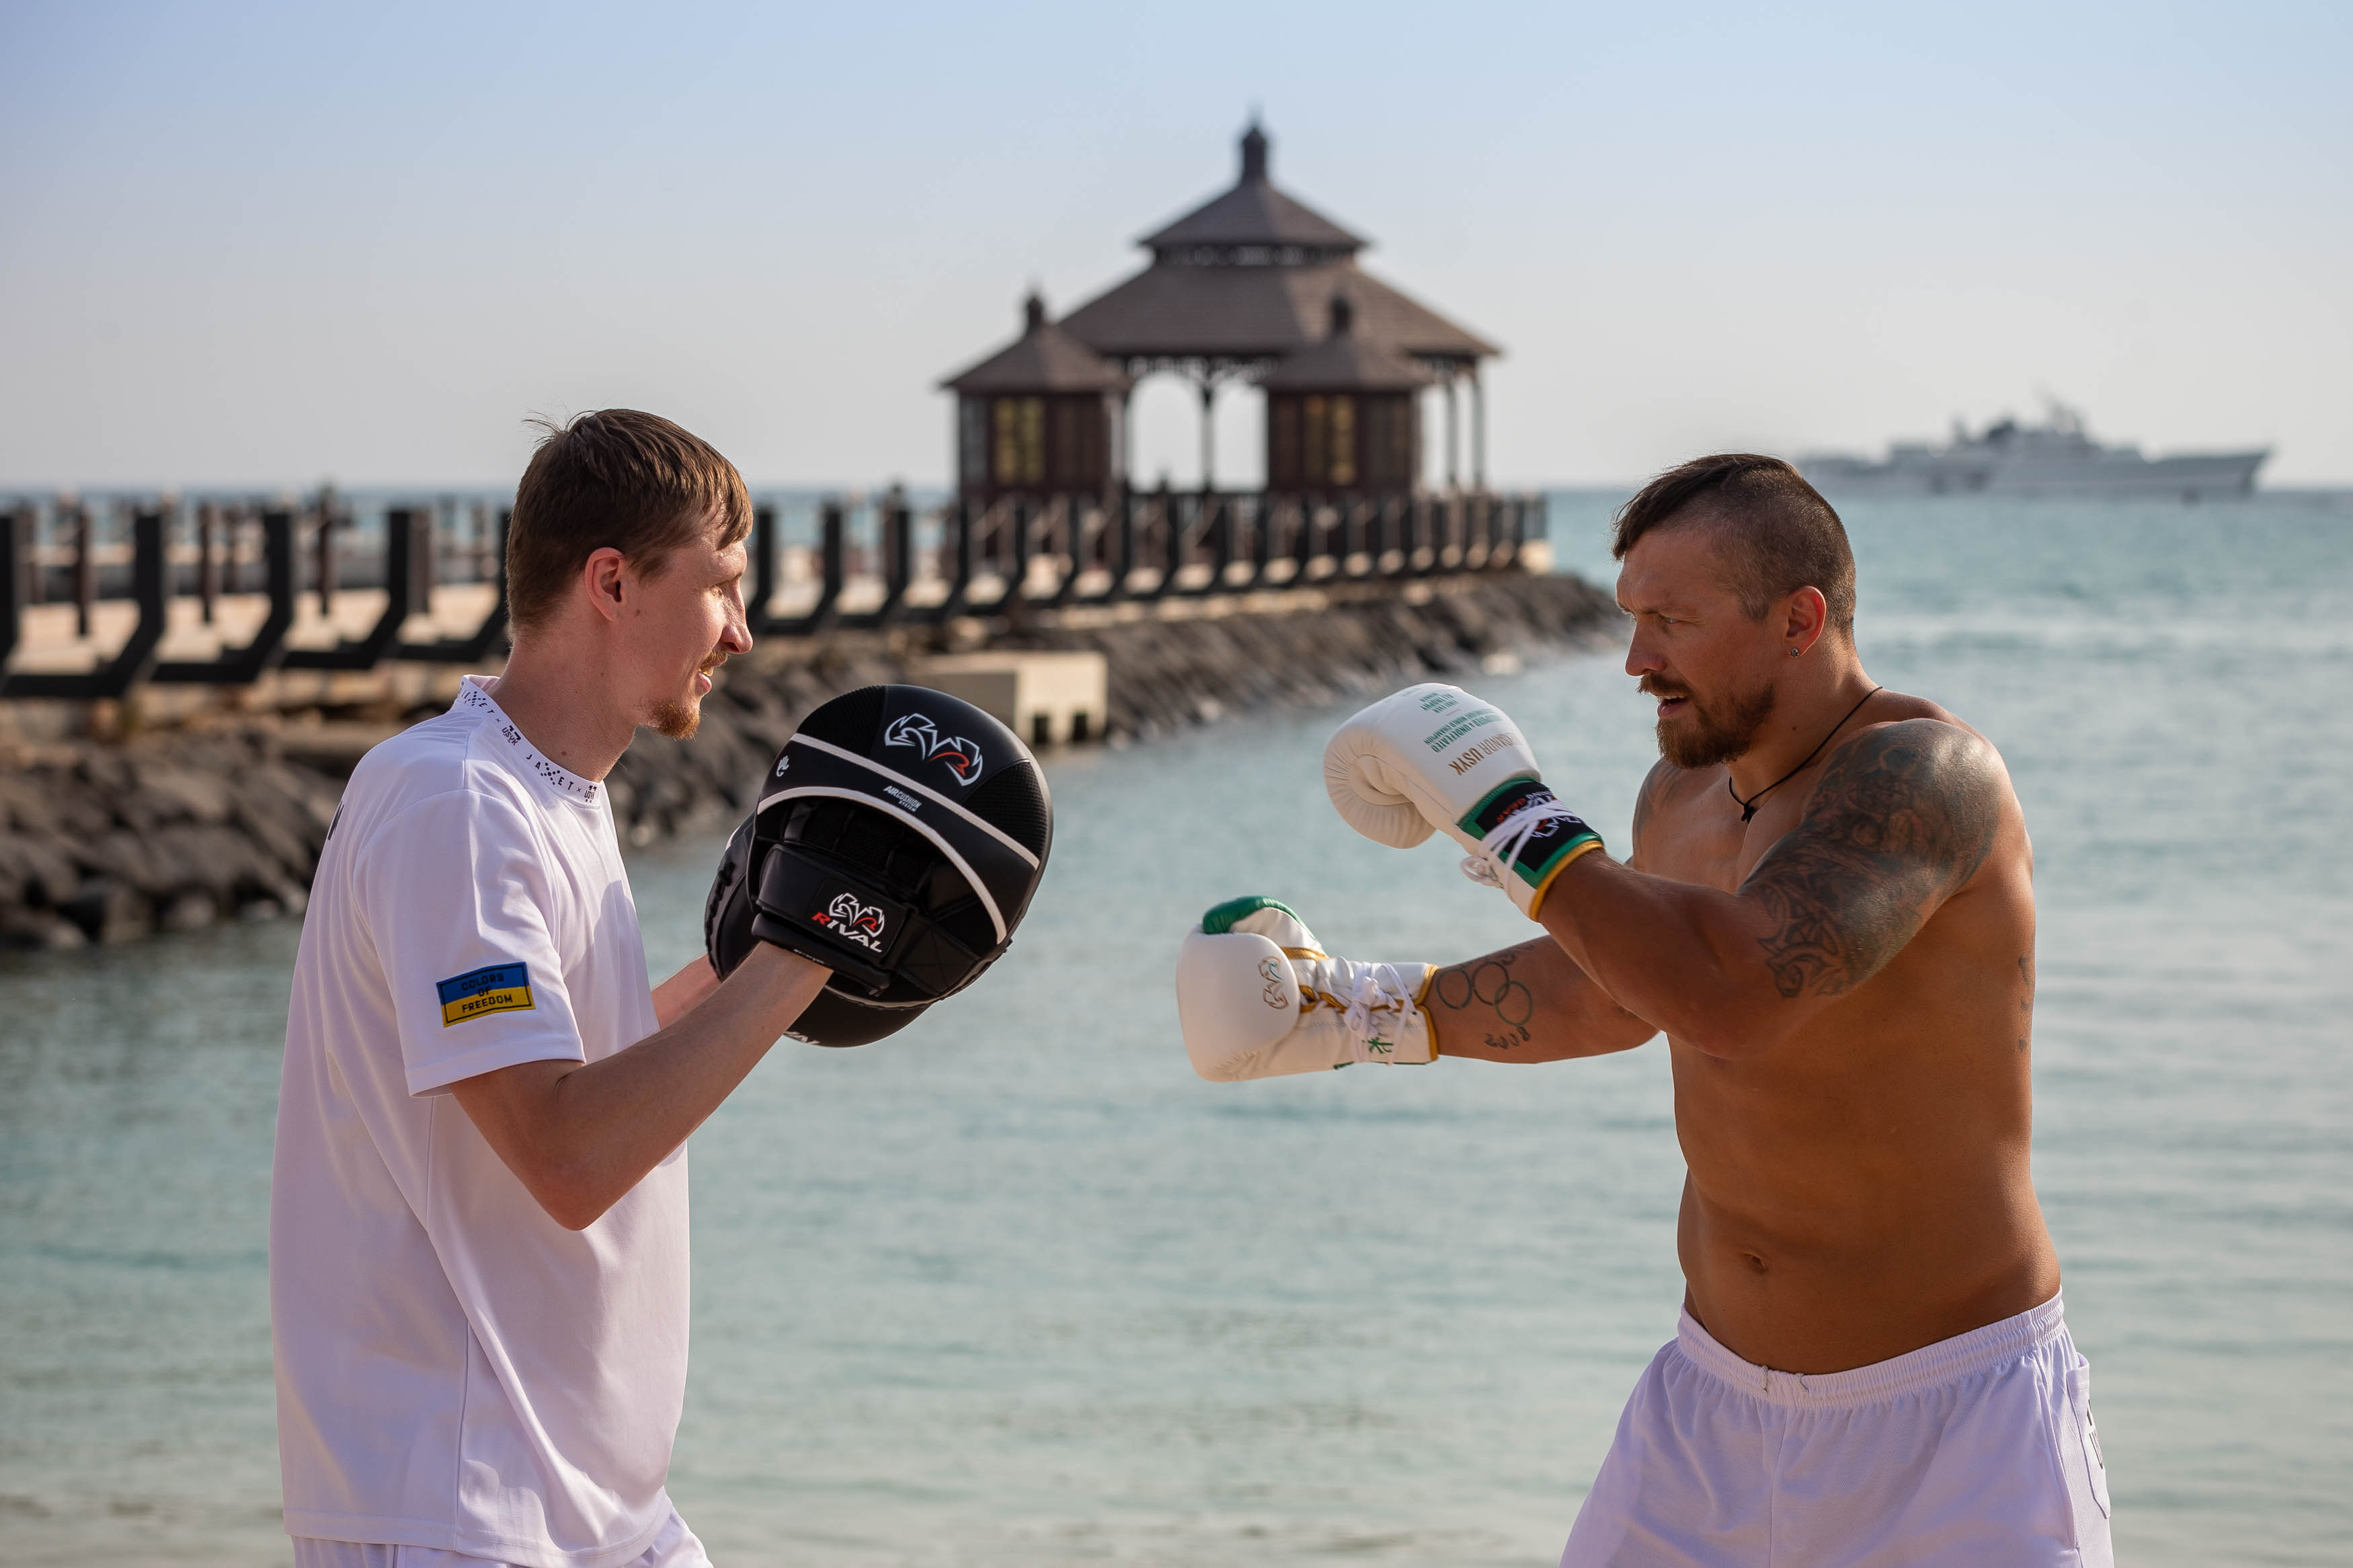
x: 1640, y: 658
x: 737, y: 637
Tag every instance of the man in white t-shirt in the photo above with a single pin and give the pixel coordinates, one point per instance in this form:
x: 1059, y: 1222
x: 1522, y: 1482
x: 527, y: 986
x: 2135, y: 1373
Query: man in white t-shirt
x: 478, y: 1249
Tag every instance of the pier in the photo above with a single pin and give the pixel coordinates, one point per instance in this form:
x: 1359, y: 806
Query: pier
x: 175, y: 605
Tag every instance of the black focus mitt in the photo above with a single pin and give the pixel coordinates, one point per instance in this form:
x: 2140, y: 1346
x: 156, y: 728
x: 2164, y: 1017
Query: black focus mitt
x: 898, y: 840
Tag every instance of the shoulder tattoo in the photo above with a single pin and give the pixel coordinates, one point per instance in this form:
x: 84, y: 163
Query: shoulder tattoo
x: 1645, y: 798
x: 1903, y: 817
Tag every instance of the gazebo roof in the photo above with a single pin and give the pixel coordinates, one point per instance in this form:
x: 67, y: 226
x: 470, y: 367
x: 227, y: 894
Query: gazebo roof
x: 1254, y: 214
x: 1345, y: 362
x: 1174, y: 312
x: 1045, y: 359
x: 1249, y: 276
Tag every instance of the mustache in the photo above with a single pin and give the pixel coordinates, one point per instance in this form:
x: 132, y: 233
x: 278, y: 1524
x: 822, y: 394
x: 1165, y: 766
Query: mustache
x: 1652, y: 686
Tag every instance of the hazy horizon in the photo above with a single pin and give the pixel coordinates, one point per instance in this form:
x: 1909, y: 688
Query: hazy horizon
x: 259, y: 245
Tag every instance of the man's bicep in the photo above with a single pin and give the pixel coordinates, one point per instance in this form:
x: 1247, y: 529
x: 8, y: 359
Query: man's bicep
x: 1903, y: 817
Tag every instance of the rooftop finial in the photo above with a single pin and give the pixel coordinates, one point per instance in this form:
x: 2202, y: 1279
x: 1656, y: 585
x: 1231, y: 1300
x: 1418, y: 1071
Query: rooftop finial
x: 1253, y: 150
x: 1033, y: 312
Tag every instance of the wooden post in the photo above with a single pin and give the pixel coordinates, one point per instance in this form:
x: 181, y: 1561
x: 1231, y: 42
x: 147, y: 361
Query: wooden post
x: 898, y: 553
x: 207, y: 563
x: 15, y: 561
x: 1119, y: 547
x: 1022, y: 516
x: 1174, y: 542
x: 488, y: 561
x: 326, y: 551
x: 1220, y: 527
x: 85, y: 571
x: 764, y: 566
x: 829, y: 589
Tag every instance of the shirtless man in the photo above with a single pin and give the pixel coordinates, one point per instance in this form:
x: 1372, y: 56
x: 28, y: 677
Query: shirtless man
x: 1828, y: 910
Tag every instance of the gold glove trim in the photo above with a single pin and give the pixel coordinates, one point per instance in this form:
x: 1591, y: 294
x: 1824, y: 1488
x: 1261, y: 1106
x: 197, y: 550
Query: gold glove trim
x: 1536, y: 904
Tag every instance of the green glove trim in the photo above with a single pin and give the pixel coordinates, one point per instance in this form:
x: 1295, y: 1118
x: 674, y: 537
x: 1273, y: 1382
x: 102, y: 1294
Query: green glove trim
x: 1222, y: 918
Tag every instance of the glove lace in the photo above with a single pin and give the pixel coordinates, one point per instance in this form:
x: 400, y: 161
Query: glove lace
x: 1376, y: 988
x: 1499, y: 851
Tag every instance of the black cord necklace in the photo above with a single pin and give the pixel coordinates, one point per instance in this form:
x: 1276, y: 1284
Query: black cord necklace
x: 1748, y: 806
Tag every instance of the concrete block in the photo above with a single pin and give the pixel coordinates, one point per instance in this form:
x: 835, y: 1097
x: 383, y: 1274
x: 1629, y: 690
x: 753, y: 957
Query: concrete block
x: 1046, y: 698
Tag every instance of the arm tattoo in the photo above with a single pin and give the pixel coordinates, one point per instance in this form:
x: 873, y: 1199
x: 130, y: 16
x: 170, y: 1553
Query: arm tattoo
x: 1485, y: 998
x: 1902, y: 819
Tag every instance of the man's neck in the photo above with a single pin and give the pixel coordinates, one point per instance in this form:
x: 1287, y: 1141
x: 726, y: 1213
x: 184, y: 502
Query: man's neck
x: 1810, y: 704
x: 564, y: 705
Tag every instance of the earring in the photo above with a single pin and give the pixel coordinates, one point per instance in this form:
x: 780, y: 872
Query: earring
x: 1793, y: 653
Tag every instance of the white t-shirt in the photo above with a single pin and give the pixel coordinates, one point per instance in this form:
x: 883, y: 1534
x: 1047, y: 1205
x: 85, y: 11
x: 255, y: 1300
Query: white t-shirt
x: 456, y: 1370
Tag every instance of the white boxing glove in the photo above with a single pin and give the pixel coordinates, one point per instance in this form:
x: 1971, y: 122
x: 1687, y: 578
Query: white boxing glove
x: 1434, y: 756
x: 1257, y: 998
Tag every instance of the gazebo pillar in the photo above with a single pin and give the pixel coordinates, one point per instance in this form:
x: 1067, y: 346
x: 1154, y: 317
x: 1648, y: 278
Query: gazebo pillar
x: 1478, y: 430
x: 1454, y: 436
x: 1208, y: 434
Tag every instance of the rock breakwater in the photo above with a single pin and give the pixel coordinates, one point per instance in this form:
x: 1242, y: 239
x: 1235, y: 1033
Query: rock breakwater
x: 104, y: 841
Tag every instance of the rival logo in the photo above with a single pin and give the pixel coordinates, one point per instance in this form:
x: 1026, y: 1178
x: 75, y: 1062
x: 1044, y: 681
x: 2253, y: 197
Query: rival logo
x: 1275, y: 995
x: 916, y: 730
x: 853, y: 922
x: 782, y: 763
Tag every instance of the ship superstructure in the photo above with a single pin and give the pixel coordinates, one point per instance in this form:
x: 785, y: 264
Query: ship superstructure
x: 2056, y: 458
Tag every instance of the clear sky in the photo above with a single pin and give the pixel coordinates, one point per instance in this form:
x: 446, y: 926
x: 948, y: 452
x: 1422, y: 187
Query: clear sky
x: 256, y: 243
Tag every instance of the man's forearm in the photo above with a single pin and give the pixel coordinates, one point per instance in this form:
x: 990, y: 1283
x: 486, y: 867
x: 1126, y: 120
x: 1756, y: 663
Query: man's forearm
x: 1526, y: 1004
x: 580, y: 1135
x: 674, y: 998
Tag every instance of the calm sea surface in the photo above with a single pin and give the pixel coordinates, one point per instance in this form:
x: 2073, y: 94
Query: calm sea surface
x: 1015, y: 1287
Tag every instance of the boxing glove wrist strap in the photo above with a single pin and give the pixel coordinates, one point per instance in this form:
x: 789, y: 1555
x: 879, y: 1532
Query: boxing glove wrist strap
x: 1524, y: 833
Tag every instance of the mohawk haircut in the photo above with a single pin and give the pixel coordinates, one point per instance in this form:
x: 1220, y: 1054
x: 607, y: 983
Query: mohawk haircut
x: 1775, y: 531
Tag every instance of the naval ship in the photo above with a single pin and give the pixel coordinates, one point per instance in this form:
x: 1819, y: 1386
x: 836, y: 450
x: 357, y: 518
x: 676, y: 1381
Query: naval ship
x: 2057, y: 457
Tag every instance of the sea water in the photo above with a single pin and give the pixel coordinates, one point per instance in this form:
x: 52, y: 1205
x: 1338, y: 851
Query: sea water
x: 1015, y: 1287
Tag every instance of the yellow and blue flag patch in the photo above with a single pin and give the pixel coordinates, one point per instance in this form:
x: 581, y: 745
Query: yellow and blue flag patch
x: 500, y: 988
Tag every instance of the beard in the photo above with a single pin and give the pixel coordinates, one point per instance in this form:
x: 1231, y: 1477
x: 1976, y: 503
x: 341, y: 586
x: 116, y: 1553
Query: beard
x: 1712, y: 732
x: 679, y: 717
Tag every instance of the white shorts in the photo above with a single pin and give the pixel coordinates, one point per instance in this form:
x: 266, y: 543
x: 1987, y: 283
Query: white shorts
x: 673, y: 1546
x: 1978, y: 1449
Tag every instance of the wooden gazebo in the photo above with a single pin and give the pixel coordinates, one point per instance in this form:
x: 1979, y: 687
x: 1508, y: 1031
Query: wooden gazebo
x: 1039, y: 417
x: 1344, y: 416
x: 1238, y: 289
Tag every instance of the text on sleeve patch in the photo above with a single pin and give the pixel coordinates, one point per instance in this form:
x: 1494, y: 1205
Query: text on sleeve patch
x: 499, y: 988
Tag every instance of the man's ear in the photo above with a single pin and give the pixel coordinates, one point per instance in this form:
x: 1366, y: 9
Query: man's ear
x: 1804, y: 616
x: 603, y: 580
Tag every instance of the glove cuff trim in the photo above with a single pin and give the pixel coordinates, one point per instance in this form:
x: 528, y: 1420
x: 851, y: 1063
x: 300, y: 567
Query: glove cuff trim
x: 1548, y: 848
x: 1535, y: 903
